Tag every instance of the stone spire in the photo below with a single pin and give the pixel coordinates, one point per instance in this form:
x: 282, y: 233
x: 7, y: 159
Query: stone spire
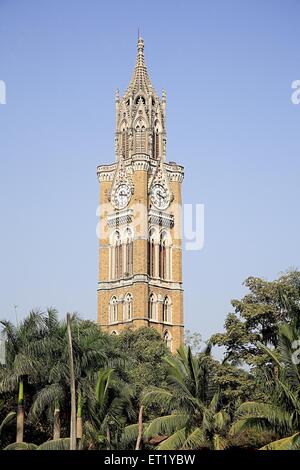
x: 140, y: 80
x: 140, y: 115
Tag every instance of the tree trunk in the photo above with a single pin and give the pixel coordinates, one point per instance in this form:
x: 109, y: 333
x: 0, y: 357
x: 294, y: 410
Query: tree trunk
x: 140, y: 428
x: 72, y: 387
x: 79, y: 419
x: 20, y: 413
x: 56, y: 426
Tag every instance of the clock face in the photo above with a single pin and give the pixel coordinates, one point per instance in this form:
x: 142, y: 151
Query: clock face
x: 160, y: 196
x: 122, y: 196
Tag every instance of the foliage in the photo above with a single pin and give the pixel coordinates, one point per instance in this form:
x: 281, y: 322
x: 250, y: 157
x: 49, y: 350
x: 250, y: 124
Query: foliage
x: 257, y: 317
x: 281, y: 414
x: 250, y: 400
x: 195, y: 418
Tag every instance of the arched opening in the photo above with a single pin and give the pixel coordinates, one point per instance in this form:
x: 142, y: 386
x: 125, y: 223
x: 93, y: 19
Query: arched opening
x: 165, y: 255
x: 118, y: 256
x: 152, y: 255
x: 162, y: 258
x: 139, y: 99
x: 140, y: 137
x: 128, y: 242
x: 124, y: 140
x: 152, y: 306
x: 168, y: 339
x: 113, y: 310
x: 167, y: 310
x: 128, y: 304
x: 156, y: 140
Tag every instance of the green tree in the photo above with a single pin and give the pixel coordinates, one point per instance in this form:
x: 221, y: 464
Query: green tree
x: 54, y: 394
x: 22, y: 368
x: 195, y: 419
x: 112, y: 409
x: 281, y: 413
x: 140, y: 357
x: 257, y: 317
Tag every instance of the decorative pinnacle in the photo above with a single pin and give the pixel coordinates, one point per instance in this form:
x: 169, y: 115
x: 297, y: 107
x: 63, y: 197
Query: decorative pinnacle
x: 140, y: 80
x: 140, y: 44
x: 140, y: 47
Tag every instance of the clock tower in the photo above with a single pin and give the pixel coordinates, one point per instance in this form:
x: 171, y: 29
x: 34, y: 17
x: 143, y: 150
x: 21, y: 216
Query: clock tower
x: 140, y: 253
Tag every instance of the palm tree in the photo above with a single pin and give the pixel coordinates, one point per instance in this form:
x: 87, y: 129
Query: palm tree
x: 22, y: 367
x: 88, y: 349
x: 111, y: 410
x: 281, y: 414
x: 50, y: 395
x: 195, y: 418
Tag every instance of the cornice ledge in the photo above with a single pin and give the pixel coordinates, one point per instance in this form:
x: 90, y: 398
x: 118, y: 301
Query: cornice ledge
x: 106, y: 172
x: 140, y: 162
x: 175, y: 172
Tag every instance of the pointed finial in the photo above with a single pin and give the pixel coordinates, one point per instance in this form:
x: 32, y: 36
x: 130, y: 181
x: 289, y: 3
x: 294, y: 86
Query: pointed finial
x: 140, y: 78
x: 140, y: 43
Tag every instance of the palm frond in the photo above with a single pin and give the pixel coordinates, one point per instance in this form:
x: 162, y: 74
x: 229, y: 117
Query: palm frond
x: 166, y: 425
x: 9, y: 382
x: 221, y: 420
x: 58, y: 444
x: 270, y: 353
x: 21, y: 446
x: 287, y: 443
x: 174, y: 442
x: 103, y: 382
x: 8, y: 418
x: 219, y: 442
x: 130, y: 434
x: 157, y: 395
x: 46, y: 397
x: 195, y: 440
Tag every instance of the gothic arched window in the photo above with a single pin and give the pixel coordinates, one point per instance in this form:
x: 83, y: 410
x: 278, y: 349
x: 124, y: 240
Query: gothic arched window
x: 137, y: 138
x: 119, y: 259
x: 165, y: 253
x: 128, y: 241
x: 162, y: 258
x: 168, y: 339
x: 167, y: 310
x: 143, y: 139
x: 152, y: 255
x: 155, y: 141
x: 124, y: 140
x: 152, y: 313
x: 140, y: 137
x: 116, y: 256
x: 140, y: 99
x: 127, y: 312
x: 113, y: 310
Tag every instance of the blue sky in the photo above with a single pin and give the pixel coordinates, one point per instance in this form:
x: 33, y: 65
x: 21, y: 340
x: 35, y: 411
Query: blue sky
x: 227, y: 67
